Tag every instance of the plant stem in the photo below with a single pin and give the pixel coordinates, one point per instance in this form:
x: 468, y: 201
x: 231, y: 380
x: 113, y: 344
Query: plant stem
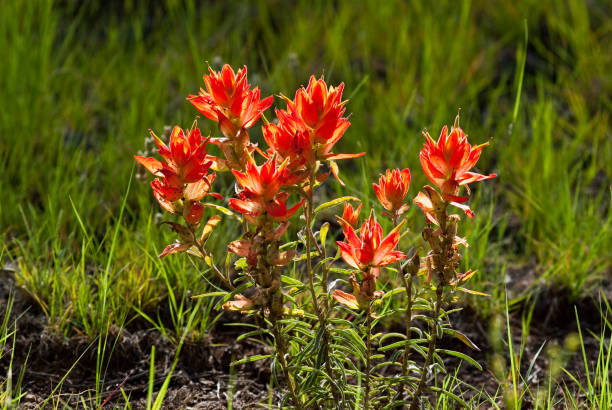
x: 407, y: 316
x: 408, y: 320
x: 322, y: 315
x: 309, y: 246
x: 366, y: 397
x: 205, y: 254
x: 280, y: 353
x: 430, y: 350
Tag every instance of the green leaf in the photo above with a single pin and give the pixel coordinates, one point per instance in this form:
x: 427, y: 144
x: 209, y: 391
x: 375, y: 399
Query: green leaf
x: 304, y: 256
x: 231, y: 294
x: 394, y: 292
x: 461, y: 356
x: 291, y: 281
x: 385, y: 364
x: 342, y: 271
x: 246, y: 335
x: 451, y: 395
x: 389, y: 335
x: 353, y: 338
x: 401, y: 343
x: 222, y: 209
x: 241, y: 264
x: 462, y: 337
x: 339, y: 321
x: 209, y: 295
x: 472, y: 292
x: 335, y: 202
x: 323, y: 233
x: 250, y: 359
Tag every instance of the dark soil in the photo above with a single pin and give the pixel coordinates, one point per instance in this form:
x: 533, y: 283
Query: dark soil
x: 202, y: 376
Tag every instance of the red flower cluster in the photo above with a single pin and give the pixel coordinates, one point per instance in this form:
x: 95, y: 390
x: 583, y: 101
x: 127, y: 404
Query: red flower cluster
x: 309, y: 128
x: 183, y: 175
x: 447, y: 164
x: 229, y: 100
x: 391, y: 190
x: 261, y: 193
x: 370, y: 249
x: 367, y: 253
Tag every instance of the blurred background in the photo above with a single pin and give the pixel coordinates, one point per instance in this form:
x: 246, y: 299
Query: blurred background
x: 83, y: 82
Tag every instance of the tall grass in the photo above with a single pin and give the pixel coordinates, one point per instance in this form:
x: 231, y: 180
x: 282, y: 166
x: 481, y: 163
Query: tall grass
x: 82, y: 83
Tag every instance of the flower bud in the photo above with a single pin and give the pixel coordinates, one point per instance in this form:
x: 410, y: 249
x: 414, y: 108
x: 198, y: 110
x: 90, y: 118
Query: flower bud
x: 351, y: 215
x: 193, y: 212
x: 451, y: 226
x: 413, y: 265
x: 431, y: 238
x: 392, y: 188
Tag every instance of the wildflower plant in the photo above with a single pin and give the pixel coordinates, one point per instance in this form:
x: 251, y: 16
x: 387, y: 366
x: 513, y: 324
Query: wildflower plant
x: 320, y: 307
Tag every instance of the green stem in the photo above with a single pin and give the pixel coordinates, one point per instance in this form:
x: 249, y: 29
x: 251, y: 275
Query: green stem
x: 280, y: 353
x: 308, y: 215
x: 205, y: 254
x: 430, y: 350
x: 321, y: 315
x: 407, y: 316
x: 408, y: 320
x: 366, y: 397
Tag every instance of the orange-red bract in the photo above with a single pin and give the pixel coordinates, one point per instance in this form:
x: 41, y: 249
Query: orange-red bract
x: 320, y: 108
x: 193, y: 212
x: 431, y: 203
x: 346, y: 299
x: 291, y: 144
x: 392, y: 189
x: 261, y: 191
x: 370, y: 249
x: 229, y: 100
x: 184, y: 174
x: 351, y: 215
x: 185, y: 155
x: 448, y: 161
x: 310, y: 126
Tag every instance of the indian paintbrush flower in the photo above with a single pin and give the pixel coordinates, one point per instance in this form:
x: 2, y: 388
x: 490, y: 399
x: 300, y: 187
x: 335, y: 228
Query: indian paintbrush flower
x: 351, y: 215
x: 448, y: 161
x: 184, y: 174
x: 311, y: 125
x: 391, y: 190
x: 447, y: 164
x: 299, y: 143
x: 229, y: 100
x: 367, y: 253
x: 261, y: 193
x: 370, y: 250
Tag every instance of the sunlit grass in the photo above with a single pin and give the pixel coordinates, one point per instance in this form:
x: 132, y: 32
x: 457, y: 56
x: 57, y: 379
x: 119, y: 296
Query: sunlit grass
x: 82, y: 85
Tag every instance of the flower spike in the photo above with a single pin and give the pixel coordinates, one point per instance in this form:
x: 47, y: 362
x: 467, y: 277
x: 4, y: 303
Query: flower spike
x: 391, y: 190
x: 370, y: 249
x: 447, y: 162
x: 229, y: 100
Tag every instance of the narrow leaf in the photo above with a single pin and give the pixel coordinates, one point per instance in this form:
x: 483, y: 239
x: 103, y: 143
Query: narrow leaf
x: 461, y: 356
x: 250, y: 359
x: 334, y: 202
x: 212, y: 222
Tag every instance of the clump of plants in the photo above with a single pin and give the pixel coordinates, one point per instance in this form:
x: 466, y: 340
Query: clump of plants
x: 319, y: 306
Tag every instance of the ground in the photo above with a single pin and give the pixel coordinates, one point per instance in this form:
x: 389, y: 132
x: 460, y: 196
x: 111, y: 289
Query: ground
x: 203, y: 378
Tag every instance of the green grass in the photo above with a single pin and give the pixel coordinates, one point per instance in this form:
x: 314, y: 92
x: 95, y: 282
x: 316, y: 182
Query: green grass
x: 81, y: 85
